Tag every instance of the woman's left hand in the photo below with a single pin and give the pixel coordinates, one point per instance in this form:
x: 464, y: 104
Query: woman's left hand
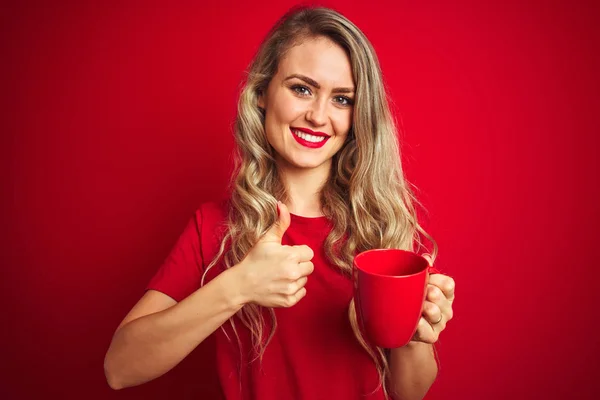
x: 437, y: 310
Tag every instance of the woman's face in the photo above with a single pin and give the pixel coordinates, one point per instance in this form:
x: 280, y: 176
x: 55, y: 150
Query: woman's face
x: 313, y: 92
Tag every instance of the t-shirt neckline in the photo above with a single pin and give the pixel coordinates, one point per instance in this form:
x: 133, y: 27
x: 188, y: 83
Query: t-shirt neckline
x: 321, y: 221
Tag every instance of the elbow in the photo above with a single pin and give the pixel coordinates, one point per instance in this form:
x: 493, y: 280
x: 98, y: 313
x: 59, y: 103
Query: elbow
x: 109, y: 373
x: 114, y: 385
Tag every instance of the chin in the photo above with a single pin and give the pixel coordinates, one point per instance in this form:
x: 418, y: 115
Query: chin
x: 308, y: 164
x: 302, y: 161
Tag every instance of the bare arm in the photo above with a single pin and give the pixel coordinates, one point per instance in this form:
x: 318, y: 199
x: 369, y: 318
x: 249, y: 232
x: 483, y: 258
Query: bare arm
x: 413, y: 369
x: 159, y: 332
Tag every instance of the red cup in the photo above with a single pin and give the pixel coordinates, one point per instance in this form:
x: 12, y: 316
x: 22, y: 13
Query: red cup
x: 389, y: 292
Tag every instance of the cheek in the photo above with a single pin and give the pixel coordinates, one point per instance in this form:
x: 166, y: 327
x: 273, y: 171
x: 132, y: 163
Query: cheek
x: 285, y: 109
x: 281, y: 111
x: 342, y: 123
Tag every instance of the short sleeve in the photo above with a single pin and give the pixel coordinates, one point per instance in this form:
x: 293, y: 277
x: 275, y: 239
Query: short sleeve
x: 181, y: 272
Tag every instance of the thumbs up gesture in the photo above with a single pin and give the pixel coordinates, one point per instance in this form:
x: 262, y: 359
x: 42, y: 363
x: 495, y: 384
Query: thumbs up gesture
x: 272, y: 274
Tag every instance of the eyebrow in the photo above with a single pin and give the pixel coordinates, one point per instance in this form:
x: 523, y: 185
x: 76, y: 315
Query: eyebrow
x: 314, y: 83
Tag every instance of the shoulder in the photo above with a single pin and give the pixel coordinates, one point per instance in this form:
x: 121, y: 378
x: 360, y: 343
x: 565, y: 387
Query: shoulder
x: 212, y: 213
x: 211, y: 220
x: 217, y: 208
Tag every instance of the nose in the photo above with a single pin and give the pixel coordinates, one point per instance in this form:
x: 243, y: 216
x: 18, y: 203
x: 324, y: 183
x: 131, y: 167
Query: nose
x: 317, y: 113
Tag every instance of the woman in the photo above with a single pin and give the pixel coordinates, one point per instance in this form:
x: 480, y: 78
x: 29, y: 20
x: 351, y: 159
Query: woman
x: 272, y: 279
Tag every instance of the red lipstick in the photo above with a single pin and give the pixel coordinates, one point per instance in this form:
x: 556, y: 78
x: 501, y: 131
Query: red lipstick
x: 306, y: 130
x: 306, y: 143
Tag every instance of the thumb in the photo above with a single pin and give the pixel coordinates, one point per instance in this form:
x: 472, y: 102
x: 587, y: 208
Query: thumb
x: 275, y: 233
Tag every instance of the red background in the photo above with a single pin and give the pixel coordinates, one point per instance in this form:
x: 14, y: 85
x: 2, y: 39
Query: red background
x: 117, y: 124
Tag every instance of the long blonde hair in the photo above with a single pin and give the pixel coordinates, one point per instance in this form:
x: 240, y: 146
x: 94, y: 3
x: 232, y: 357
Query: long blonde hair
x: 366, y: 197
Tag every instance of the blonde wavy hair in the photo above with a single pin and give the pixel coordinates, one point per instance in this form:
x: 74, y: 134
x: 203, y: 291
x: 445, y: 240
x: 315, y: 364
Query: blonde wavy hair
x: 366, y: 197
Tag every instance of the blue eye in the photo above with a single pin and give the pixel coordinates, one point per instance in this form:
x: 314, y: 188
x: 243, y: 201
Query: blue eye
x: 345, y: 101
x: 304, y: 91
x: 300, y: 90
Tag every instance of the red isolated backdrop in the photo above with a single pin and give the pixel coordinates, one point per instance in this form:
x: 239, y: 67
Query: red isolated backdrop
x: 117, y: 125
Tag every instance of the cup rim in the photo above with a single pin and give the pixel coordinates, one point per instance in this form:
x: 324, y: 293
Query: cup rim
x: 390, y: 276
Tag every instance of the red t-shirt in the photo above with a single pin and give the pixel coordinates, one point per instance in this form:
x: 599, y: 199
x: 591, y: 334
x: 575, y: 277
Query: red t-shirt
x: 313, y: 354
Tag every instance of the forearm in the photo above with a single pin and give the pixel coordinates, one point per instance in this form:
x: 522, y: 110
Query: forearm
x: 413, y: 369
x: 148, y: 347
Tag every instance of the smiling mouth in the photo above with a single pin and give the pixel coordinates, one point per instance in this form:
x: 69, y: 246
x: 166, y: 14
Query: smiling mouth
x: 308, y: 137
x: 308, y: 140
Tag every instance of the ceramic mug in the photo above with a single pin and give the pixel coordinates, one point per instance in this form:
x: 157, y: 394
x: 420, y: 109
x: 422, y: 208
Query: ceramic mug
x: 390, y: 289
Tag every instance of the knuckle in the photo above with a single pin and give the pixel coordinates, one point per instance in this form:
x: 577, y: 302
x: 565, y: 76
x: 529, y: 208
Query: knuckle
x: 292, y: 256
x: 310, y: 252
x: 450, y: 285
x: 433, y: 292
x: 301, y: 294
x: 289, y: 301
x: 427, y: 307
x: 432, y: 309
x: 291, y: 288
x: 292, y: 273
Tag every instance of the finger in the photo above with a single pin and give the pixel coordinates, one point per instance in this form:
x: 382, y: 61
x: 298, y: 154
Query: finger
x: 289, y: 300
x: 425, y: 332
x: 434, y: 294
x: 432, y: 313
x: 444, y: 283
x: 277, y: 230
x: 437, y: 297
x: 303, y: 252
x: 301, y: 282
x: 290, y: 288
x: 300, y: 294
x: 306, y: 268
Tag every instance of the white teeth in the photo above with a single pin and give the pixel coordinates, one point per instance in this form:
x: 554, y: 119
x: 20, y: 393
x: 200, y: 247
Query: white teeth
x: 309, y: 138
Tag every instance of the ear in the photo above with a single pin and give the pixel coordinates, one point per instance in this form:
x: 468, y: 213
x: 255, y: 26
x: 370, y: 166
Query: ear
x: 261, y: 100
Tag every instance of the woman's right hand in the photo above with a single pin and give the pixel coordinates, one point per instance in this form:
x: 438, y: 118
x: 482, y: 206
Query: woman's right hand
x: 272, y: 274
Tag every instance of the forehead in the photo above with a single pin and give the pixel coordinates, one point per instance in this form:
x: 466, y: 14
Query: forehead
x: 320, y: 59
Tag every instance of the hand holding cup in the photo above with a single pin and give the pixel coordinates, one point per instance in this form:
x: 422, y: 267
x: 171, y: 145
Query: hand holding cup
x: 437, y: 308
x: 398, y: 297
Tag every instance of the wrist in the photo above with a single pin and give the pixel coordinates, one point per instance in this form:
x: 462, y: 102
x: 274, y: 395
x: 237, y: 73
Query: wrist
x: 233, y: 286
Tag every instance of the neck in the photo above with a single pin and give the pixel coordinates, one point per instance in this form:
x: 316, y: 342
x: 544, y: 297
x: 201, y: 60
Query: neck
x: 303, y: 186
